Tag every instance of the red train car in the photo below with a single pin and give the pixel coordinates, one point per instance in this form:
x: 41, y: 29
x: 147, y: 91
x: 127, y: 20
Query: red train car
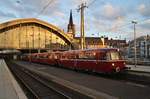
x: 44, y: 58
x: 105, y: 60
x: 25, y: 57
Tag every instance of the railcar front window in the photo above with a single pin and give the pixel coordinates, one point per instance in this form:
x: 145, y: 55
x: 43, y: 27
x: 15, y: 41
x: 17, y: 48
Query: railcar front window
x: 114, y: 55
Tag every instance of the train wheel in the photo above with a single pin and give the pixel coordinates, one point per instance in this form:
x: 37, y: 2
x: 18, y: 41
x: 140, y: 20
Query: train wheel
x: 117, y: 69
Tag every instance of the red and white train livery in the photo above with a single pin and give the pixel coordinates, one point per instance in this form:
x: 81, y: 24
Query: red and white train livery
x: 104, y: 60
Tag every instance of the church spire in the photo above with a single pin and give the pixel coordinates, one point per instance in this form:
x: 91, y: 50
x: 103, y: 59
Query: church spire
x: 70, y: 19
x: 71, y: 26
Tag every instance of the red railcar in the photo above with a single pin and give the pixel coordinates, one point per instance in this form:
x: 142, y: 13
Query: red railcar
x: 105, y: 60
x: 44, y: 58
x: 25, y: 57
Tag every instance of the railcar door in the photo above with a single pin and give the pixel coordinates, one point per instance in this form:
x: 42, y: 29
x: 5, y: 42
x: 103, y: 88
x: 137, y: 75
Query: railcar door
x: 86, y: 60
x: 101, y: 62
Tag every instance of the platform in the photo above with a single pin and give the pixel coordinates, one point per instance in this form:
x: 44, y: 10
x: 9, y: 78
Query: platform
x: 139, y: 68
x: 9, y: 88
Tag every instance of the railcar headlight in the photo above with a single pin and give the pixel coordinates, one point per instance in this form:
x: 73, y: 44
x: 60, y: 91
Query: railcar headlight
x: 113, y: 64
x: 124, y: 63
x: 118, y: 50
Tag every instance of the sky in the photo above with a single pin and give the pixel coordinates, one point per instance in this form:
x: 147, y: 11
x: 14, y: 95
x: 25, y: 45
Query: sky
x: 109, y: 18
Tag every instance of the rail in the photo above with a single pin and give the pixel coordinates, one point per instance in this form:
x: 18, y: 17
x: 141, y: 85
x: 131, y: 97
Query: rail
x: 36, y: 85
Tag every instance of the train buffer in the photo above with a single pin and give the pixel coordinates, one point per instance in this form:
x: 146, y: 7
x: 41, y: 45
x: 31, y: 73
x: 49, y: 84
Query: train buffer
x: 9, y: 88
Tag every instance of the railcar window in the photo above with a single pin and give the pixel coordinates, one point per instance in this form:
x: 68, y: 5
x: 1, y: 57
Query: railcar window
x: 88, y: 55
x: 108, y: 56
x: 103, y: 57
x: 82, y: 55
x: 64, y: 56
x: 72, y: 56
x: 43, y: 56
x: 114, y: 55
x: 34, y: 56
x: 91, y: 55
x: 55, y: 56
x: 50, y: 56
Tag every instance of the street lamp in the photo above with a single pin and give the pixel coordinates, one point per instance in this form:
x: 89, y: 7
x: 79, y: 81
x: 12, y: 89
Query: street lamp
x: 135, y: 58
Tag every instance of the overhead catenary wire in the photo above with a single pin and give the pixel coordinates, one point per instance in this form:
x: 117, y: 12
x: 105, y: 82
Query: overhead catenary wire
x: 45, y: 7
x: 93, y: 1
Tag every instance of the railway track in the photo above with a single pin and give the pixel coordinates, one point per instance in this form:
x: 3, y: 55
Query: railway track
x: 41, y: 88
x: 137, y: 77
x: 129, y: 76
x: 38, y: 87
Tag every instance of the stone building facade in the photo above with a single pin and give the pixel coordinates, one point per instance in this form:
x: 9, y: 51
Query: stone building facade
x: 142, y: 48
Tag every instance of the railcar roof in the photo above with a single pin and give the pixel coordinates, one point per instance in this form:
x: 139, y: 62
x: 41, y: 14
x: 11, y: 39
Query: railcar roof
x: 98, y: 49
x: 105, y: 49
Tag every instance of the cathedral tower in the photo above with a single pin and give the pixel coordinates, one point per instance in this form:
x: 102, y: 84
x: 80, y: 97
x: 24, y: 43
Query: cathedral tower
x: 71, y: 26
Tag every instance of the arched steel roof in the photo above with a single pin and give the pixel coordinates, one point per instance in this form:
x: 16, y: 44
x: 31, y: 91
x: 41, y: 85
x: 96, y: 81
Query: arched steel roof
x: 56, y: 30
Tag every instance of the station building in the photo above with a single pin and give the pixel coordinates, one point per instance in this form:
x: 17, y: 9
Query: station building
x: 142, y: 48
